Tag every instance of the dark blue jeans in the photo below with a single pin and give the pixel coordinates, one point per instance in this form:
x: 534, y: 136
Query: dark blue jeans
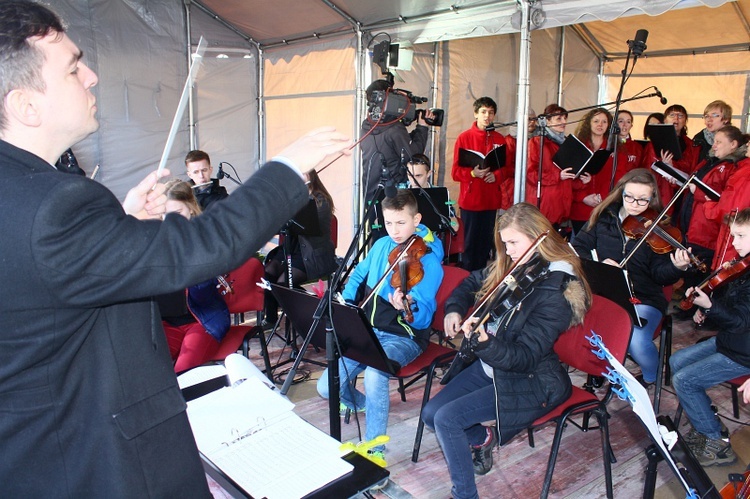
x: 479, y: 237
x: 456, y: 414
x: 696, y: 369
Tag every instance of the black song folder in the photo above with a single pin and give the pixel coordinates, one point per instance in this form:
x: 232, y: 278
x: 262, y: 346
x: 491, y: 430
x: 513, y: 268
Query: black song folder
x: 664, y: 138
x: 493, y: 160
x: 574, y: 154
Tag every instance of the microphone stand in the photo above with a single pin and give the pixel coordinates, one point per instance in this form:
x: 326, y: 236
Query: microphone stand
x: 323, y: 312
x: 541, y: 123
x: 222, y: 174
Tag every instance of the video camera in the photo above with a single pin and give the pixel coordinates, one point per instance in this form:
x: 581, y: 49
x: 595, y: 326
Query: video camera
x: 394, y: 104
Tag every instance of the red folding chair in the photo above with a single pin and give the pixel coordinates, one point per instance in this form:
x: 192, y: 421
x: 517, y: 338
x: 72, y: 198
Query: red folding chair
x: 613, y: 324
x: 247, y: 297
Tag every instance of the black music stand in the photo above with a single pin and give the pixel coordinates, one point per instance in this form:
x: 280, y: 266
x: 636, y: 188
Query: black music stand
x: 612, y: 283
x: 687, y: 466
x: 438, y: 200
x: 364, y: 475
x: 304, y: 223
x: 356, y: 338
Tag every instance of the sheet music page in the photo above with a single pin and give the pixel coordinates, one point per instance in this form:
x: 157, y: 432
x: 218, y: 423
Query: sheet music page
x: 286, y: 459
x: 224, y: 415
x: 252, y: 435
x: 641, y: 404
x: 240, y: 368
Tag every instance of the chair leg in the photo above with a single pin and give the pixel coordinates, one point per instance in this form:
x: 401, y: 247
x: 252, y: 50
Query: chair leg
x: 677, y: 417
x: 660, y: 370
x: 607, y: 454
x: 420, y: 423
x: 667, y: 351
x: 735, y: 402
x: 552, y: 459
x: 402, y: 390
x: 263, y: 351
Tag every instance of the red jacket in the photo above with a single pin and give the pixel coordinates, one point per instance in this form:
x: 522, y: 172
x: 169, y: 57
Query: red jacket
x: 701, y: 230
x: 687, y: 164
x: 736, y: 195
x: 557, y: 194
x: 599, y: 185
x: 629, y: 157
x: 476, y: 194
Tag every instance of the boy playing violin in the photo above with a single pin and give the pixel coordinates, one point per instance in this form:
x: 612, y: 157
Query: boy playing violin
x: 402, y: 340
x: 719, y: 359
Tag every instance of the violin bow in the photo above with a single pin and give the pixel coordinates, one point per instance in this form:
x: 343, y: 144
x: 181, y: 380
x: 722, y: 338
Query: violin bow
x: 733, y: 215
x: 656, y: 221
x: 488, y: 302
x: 194, y: 66
x: 400, y: 256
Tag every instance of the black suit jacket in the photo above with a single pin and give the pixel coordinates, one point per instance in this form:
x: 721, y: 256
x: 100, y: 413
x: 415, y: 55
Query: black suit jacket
x: 89, y: 404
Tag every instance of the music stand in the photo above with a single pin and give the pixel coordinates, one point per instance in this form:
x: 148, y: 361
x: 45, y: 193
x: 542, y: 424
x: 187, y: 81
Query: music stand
x: 430, y: 219
x: 304, y: 223
x: 612, y: 283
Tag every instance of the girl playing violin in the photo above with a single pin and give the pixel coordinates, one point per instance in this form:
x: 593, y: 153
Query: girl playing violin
x: 518, y: 377
x: 719, y: 359
x: 649, y: 271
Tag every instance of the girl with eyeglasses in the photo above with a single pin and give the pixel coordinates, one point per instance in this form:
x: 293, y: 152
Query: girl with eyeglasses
x: 649, y: 272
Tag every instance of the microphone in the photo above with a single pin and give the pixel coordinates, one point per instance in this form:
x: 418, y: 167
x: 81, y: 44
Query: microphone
x: 390, y: 188
x: 662, y: 99
x: 220, y: 175
x: 638, y: 45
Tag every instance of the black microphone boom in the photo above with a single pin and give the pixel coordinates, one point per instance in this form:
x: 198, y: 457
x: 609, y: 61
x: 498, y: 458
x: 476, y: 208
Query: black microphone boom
x: 638, y: 45
x: 662, y: 99
x: 388, y: 187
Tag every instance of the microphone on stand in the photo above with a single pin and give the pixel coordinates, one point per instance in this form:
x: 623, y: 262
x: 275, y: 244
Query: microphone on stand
x: 662, y: 99
x: 220, y: 175
x: 638, y: 45
x: 389, y: 187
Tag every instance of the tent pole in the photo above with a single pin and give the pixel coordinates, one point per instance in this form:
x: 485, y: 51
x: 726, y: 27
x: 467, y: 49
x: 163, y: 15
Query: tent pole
x: 191, y: 92
x: 261, y: 110
x: 360, y: 59
x: 561, y: 66
x: 522, y: 107
x: 433, y: 99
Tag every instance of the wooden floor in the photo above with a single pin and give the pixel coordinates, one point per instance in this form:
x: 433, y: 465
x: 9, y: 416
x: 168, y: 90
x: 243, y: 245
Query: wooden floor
x: 519, y: 469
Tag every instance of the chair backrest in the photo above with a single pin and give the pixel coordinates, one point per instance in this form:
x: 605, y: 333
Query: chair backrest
x: 335, y: 231
x: 247, y: 296
x: 453, y: 245
x: 452, y: 277
x: 608, y: 320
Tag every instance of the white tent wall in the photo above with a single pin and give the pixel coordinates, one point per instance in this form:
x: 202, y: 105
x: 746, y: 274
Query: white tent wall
x: 225, y: 100
x: 308, y: 86
x: 137, y: 48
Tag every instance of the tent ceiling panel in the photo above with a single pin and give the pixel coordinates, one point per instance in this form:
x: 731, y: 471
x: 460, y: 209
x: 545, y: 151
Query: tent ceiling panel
x: 676, y: 29
x: 269, y: 23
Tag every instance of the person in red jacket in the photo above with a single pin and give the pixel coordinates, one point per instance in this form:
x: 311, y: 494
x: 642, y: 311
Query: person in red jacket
x: 674, y: 115
x: 557, y: 184
x: 727, y: 152
x: 736, y: 196
x: 483, y: 192
x: 629, y: 152
x: 592, y: 131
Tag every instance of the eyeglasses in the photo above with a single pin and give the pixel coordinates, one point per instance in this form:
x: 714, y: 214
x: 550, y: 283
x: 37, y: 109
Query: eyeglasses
x: 676, y: 115
x: 712, y: 115
x: 639, y: 201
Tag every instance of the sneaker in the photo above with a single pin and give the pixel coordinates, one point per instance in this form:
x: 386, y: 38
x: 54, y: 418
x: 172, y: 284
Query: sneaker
x: 343, y: 408
x: 716, y: 453
x: 381, y: 484
x: 693, y: 438
x: 645, y: 384
x: 482, y: 455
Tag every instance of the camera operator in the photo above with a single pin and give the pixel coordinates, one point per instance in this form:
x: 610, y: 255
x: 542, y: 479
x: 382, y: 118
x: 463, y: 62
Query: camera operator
x: 385, y: 143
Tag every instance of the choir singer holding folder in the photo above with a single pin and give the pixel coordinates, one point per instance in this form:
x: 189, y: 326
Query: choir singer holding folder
x: 483, y: 190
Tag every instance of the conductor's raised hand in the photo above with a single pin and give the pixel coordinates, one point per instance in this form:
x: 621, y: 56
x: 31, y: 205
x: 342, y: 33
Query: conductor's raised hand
x: 147, y: 199
x: 316, y: 147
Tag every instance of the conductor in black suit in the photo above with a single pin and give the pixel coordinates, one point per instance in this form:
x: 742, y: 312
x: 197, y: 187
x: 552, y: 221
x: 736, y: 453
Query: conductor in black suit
x: 89, y: 404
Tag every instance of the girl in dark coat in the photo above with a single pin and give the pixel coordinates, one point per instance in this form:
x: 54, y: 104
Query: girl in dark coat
x: 313, y: 257
x: 518, y: 377
x: 649, y: 272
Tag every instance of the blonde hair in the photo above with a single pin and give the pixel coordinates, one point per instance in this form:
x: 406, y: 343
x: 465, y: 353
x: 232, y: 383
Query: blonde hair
x: 528, y: 220
x: 178, y: 190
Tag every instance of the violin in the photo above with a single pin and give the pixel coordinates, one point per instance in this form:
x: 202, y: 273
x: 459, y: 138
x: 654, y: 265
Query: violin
x: 723, y: 275
x: 662, y: 239
x: 224, y: 286
x: 407, y: 257
x: 737, y: 489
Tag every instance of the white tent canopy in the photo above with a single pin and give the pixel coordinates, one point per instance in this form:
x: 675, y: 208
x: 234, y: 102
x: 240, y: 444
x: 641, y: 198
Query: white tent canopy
x: 277, y: 69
